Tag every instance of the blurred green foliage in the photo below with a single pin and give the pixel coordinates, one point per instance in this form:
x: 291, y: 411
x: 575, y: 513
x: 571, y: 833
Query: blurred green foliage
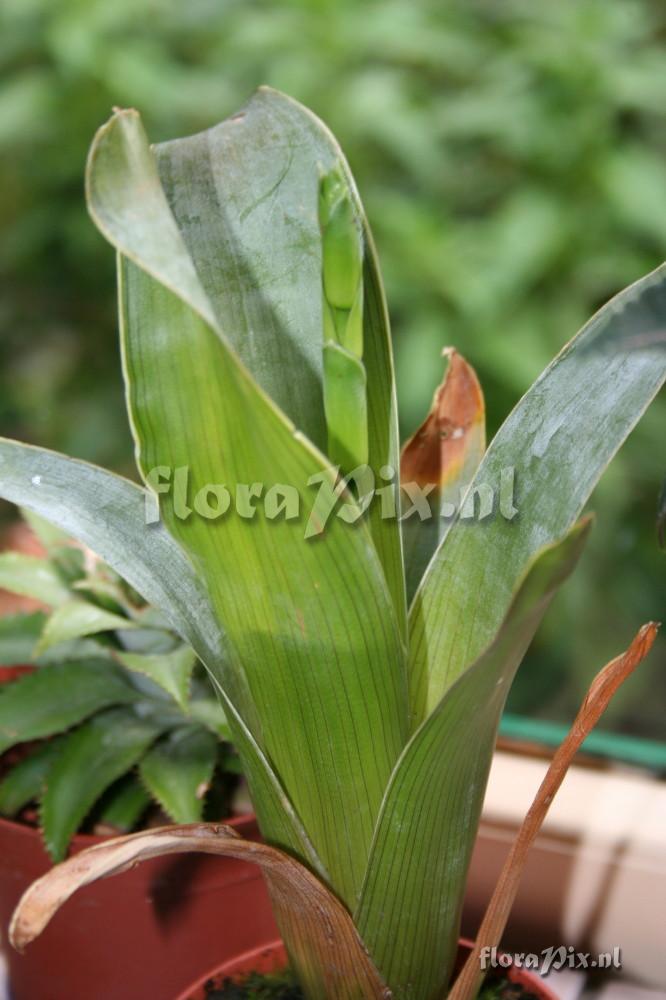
x: 511, y: 159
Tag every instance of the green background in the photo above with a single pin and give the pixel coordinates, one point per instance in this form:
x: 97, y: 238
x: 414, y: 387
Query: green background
x: 511, y: 160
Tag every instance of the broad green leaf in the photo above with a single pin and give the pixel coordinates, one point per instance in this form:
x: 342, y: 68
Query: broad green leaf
x: 18, y: 635
x: 409, y: 912
x: 178, y: 770
x: 91, y: 759
x: 555, y: 444
x: 33, y: 577
x: 442, y: 456
x: 72, y: 494
x: 172, y: 671
x: 330, y: 593
x: 244, y: 196
x: 76, y: 619
x: 25, y: 781
x: 124, y: 804
x: 332, y: 765
x: 55, y: 697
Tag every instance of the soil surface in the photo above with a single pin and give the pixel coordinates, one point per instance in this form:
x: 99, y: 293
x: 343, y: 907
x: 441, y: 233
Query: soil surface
x: 281, y: 986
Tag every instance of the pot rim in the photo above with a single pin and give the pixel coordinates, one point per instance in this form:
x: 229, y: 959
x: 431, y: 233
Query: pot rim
x: 273, y: 953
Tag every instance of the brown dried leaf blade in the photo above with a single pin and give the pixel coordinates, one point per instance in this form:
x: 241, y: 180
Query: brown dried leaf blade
x: 325, y: 948
x: 602, y: 689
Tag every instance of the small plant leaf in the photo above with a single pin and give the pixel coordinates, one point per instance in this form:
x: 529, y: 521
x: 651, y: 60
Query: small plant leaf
x: 33, y: 577
x: 602, y: 689
x: 177, y: 772
x: 50, y: 537
x: 330, y: 959
x: 76, y: 619
x: 25, y: 781
x: 443, y: 453
x: 172, y: 671
x: 92, y: 757
x: 18, y: 635
x: 124, y: 804
x: 58, y: 696
x: 209, y: 713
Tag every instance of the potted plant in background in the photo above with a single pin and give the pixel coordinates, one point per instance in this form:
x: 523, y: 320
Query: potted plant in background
x: 365, y: 728
x: 113, y: 726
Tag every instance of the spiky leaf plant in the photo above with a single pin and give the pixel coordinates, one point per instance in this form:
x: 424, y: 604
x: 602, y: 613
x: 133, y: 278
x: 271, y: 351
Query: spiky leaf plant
x: 117, y: 713
x: 251, y: 308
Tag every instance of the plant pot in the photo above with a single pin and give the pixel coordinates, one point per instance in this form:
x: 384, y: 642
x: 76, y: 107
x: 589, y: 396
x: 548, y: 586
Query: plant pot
x: 142, y: 935
x: 269, y: 958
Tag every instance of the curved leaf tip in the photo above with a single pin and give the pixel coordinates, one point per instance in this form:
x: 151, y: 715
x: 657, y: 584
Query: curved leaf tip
x: 330, y: 958
x: 455, y: 427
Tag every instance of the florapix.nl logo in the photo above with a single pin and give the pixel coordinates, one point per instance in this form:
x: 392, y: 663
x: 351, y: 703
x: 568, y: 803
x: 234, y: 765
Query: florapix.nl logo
x: 327, y: 494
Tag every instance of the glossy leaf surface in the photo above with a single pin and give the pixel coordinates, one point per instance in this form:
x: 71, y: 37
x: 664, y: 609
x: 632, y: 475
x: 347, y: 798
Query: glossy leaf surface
x: 410, y: 909
x: 326, y: 634
x: 55, y: 697
x: 554, y: 445
x: 91, y: 759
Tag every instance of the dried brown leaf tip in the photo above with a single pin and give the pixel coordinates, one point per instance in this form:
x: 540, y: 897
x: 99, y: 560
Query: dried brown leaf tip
x: 325, y: 947
x: 453, y: 433
x: 601, y: 690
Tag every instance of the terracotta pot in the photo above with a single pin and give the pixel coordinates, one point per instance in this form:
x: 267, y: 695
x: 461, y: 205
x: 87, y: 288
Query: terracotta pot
x: 271, y: 957
x: 142, y: 935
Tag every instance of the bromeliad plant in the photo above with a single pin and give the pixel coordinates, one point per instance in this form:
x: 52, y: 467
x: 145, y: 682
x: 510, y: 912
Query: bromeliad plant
x: 117, y: 713
x: 257, y: 360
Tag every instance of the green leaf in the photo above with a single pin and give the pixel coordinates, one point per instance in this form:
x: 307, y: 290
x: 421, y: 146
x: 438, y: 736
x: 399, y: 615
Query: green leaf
x: 66, y: 559
x: 346, y: 409
x: 556, y: 443
x: 210, y: 714
x: 244, y: 196
x: 25, y: 781
x: 332, y: 592
x: 18, y: 635
x: 124, y: 804
x: 172, y: 671
x: 76, y: 619
x: 72, y: 494
x: 33, y: 577
x: 51, y: 537
x: 178, y: 770
x: 410, y: 909
x: 57, y: 697
x: 92, y: 758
